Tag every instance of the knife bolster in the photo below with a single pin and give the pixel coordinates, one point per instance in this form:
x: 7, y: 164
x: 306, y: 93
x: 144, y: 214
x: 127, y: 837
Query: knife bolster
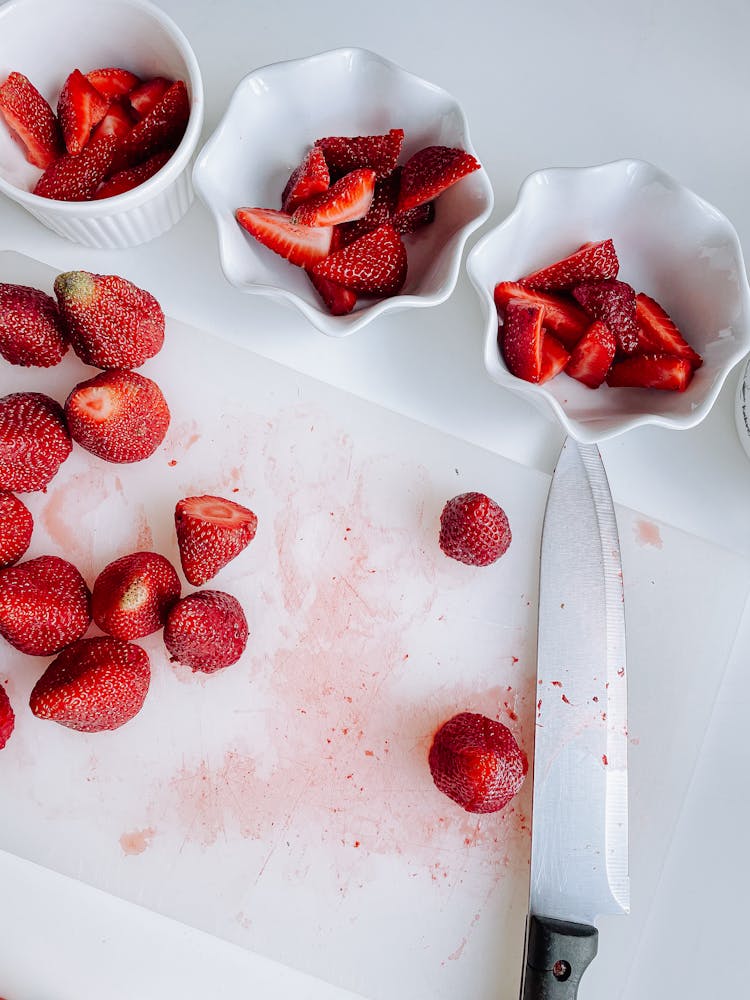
x: 558, y: 953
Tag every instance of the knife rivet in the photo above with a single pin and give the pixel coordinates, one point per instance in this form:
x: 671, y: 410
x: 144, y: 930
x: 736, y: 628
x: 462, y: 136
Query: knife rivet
x: 561, y: 970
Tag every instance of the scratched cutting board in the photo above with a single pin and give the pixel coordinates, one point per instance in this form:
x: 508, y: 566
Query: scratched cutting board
x: 285, y: 803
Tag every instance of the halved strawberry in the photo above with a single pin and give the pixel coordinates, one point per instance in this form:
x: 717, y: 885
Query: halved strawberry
x: 382, y: 208
x: 347, y: 200
x: 300, y: 245
x: 76, y: 178
x: 16, y: 527
x: 116, y: 122
x: 378, y: 152
x: 113, y: 81
x: 339, y: 300
x: 31, y: 331
x: 554, y: 358
x: 651, y: 371
x: 375, y: 264
x: 161, y: 128
x: 593, y: 355
x: 522, y: 339
x: 79, y: 108
x: 126, y: 180
x: 311, y: 177
x: 590, y: 262
x: 430, y: 172
x: 31, y: 120
x: 211, y: 531
x: 132, y: 595
x: 562, y: 317
x: 657, y: 333
x: 146, y: 96
x: 613, y: 302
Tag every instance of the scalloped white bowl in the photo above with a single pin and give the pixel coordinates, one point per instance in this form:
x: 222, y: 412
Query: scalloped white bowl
x: 671, y: 244
x: 275, y: 115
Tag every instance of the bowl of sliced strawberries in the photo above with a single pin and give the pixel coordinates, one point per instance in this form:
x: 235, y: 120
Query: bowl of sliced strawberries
x: 101, y: 107
x: 344, y: 185
x: 613, y: 297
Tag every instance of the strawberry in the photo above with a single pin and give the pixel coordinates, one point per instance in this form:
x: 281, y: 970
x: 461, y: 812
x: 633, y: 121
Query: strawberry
x: 554, y: 358
x: 125, y: 180
x: 375, y: 264
x: 111, y: 322
x: 132, y: 595
x: 414, y: 218
x: 44, y: 605
x: 590, y: 262
x: 31, y: 120
x: 347, y: 200
x: 206, y: 631
x: 146, y: 96
x: 79, y: 108
x: 657, y: 334
x: 522, y: 339
x: 161, y: 128
x: 593, y: 355
x: 16, y: 526
x: 7, y: 718
x: 116, y: 122
x: 563, y: 318
x: 311, y: 177
x: 613, y: 302
x: 300, y: 245
x: 211, y: 531
x: 382, y: 208
x: 477, y: 762
x: 94, y: 685
x: 378, y: 152
x: 474, y: 529
x: 113, y: 81
x: 76, y: 178
x: 31, y: 332
x: 34, y: 441
x: 118, y: 415
x: 651, y: 371
x: 430, y: 172
x: 338, y: 300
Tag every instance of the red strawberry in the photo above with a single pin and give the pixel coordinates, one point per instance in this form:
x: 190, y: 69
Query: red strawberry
x: 311, y: 177
x: 563, y: 318
x: 338, y: 300
x: 16, y: 526
x: 378, y: 152
x: 31, y: 332
x: 31, y: 120
x: 381, y: 209
x: 111, y: 322
x: 206, y: 631
x: 119, y: 416
x: 44, y: 605
x: 300, y: 245
x: 116, y: 122
x: 375, y: 264
x: 651, y: 371
x: 522, y: 339
x: 413, y: 219
x: 657, y: 334
x: 474, y: 529
x: 593, y: 355
x: 211, y: 531
x: 554, y: 358
x: 113, y: 81
x: 476, y: 762
x: 79, y: 108
x: 94, y: 685
x: 613, y: 302
x: 132, y: 595
x: 125, y: 180
x: 430, y: 172
x: 34, y: 441
x: 161, y: 128
x: 7, y: 718
x: 76, y: 178
x: 145, y: 97
x: 346, y: 200
x: 590, y: 262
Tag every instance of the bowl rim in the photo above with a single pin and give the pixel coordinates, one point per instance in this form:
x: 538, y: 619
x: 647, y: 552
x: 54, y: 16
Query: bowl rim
x: 588, y: 433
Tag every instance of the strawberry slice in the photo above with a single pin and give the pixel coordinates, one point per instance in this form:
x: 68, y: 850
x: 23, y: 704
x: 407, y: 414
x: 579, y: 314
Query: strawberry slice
x: 590, y: 262
x: 311, y: 177
x: 79, y: 108
x: 613, y: 302
x: 347, y: 200
x: 651, y: 371
x: 382, y: 208
x: 7, y: 717
x: 430, y: 172
x: 378, y: 152
x: 113, y: 81
x: 522, y: 339
x: 211, y: 531
x: 300, y: 245
x: 124, y: 180
x: 554, y: 358
x: 657, y: 333
x: 76, y: 178
x: 162, y: 128
x: 562, y: 317
x: 31, y: 120
x: 375, y: 264
x: 593, y: 355
x: 145, y: 97
x: 414, y: 218
x: 116, y: 122
x: 339, y: 300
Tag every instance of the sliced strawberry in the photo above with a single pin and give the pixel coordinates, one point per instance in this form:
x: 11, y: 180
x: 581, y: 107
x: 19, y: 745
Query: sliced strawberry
x: 126, y: 180
x: 375, y: 264
x: 657, y: 333
x: 31, y: 120
x: 31, y: 331
x: 593, y: 355
x: 44, y: 605
x: 145, y: 97
x: 300, y: 245
x: 378, y: 152
x: 382, y: 208
x: 430, y: 172
x: 338, y: 300
x: 34, y: 441
x: 613, y: 302
x: 76, y: 178
x: 80, y: 107
x: 211, y: 531
x: 347, y: 200
x: 161, y: 128
x: 311, y: 177
x: 206, y: 631
x: 414, y: 218
x: 116, y: 122
x: 522, y: 339
x: 651, y: 371
x: 554, y: 358
x: 561, y: 316
x: 590, y: 262
x: 7, y: 717
x: 132, y: 595
x: 113, y: 81
x: 16, y: 526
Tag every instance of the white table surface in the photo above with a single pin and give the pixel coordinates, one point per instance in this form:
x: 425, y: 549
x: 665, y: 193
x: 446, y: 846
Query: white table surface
x: 543, y: 84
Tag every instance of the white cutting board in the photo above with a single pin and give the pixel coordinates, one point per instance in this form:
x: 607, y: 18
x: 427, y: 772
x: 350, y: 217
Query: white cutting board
x: 285, y: 804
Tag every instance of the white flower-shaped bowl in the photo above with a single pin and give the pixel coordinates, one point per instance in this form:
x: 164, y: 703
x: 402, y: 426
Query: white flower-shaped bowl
x: 275, y: 115
x: 671, y: 244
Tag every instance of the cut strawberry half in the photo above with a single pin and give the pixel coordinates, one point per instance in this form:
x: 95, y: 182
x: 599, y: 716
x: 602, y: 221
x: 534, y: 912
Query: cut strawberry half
x: 311, y: 177
x: 211, y: 531
x: 162, y: 128
x: 522, y: 339
x: 591, y: 262
x: 430, y: 172
x: 125, y: 180
x: 651, y: 371
x: 347, y: 200
x: 562, y: 317
x: 657, y: 333
x: 593, y: 355
x: 145, y: 97
x: 300, y: 245
x: 381, y: 210
x: 76, y: 178
x: 378, y: 152
x: 31, y: 120
x: 116, y: 122
x: 79, y: 108
x: 554, y: 358
x: 113, y: 81
x: 613, y: 302
x: 338, y: 300
x: 375, y: 264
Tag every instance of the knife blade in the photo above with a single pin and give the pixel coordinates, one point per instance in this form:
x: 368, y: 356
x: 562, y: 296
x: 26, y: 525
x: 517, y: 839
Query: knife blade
x: 579, y: 845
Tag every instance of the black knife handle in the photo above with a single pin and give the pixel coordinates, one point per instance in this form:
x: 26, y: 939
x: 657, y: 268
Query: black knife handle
x: 557, y: 955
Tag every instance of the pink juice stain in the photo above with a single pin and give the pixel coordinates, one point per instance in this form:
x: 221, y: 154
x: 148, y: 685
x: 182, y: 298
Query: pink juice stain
x: 647, y: 533
x: 137, y: 841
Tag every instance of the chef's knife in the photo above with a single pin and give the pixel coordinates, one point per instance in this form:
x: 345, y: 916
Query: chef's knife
x: 579, y: 844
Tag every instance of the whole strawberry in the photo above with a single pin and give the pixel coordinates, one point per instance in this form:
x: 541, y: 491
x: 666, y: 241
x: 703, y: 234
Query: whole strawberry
x: 31, y: 332
x: 44, y: 605
x: 16, y: 526
x: 206, y: 631
x: 110, y: 321
x: 132, y: 595
x: 7, y: 718
x: 34, y: 441
x: 211, y: 531
x: 94, y: 685
x: 476, y: 762
x: 474, y: 529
